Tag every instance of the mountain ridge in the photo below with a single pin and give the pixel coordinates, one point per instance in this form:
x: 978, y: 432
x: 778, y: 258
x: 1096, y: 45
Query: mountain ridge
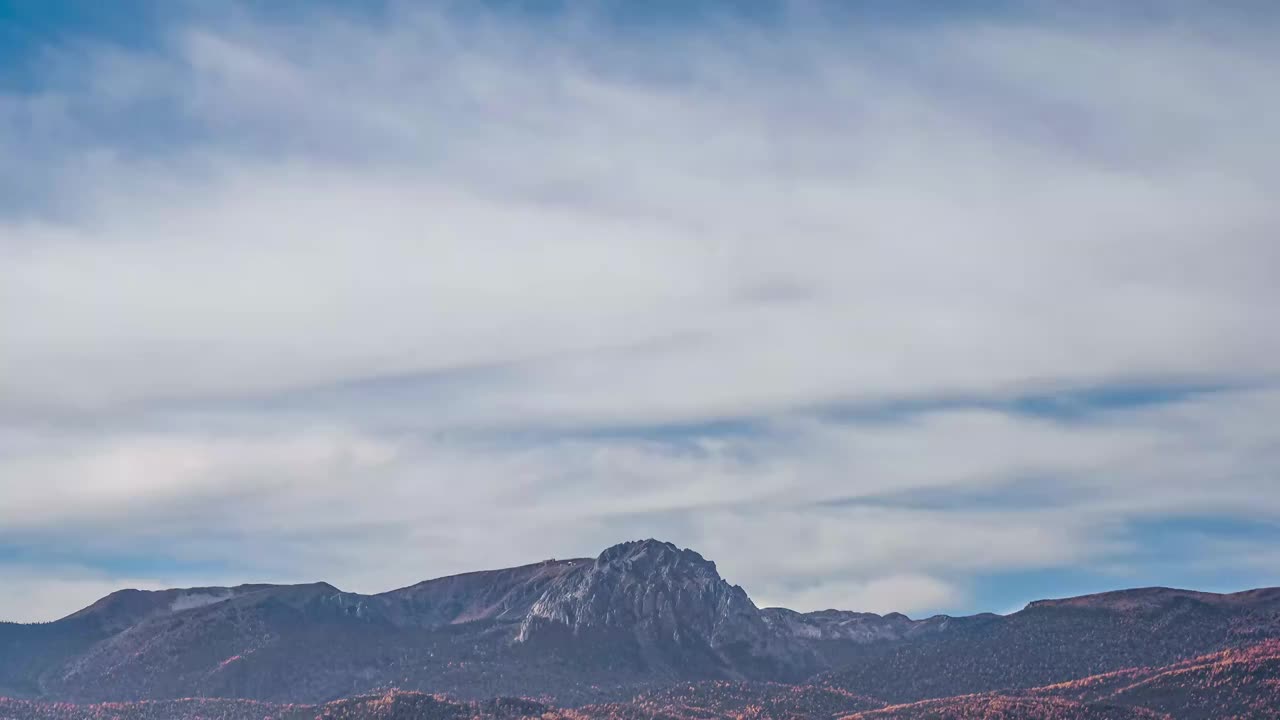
x: 637, y: 618
x: 1113, y: 598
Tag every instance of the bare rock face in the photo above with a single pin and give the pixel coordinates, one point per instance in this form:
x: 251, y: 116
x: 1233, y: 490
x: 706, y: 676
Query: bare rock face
x: 652, y: 588
x: 672, y: 602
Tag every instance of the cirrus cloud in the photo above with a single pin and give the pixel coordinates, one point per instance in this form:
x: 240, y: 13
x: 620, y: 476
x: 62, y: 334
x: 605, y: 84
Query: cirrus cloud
x: 795, y: 294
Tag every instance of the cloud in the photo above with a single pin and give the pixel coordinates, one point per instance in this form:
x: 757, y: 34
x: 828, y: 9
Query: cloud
x: 476, y: 288
x: 789, y: 509
x: 51, y: 593
x: 435, y: 201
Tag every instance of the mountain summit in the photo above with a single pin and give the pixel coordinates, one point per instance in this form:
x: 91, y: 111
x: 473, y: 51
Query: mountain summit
x: 656, y: 590
x: 669, y: 603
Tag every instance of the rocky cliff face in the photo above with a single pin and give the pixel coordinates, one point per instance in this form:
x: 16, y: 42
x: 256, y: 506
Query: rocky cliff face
x: 655, y: 590
x: 670, y: 605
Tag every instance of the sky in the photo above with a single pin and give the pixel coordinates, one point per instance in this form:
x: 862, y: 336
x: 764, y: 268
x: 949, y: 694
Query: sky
x: 914, y: 306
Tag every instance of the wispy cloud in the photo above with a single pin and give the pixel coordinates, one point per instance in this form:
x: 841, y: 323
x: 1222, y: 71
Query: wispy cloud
x: 396, y: 295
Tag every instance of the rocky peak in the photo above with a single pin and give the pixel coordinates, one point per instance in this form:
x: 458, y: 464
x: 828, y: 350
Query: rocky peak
x: 657, y: 558
x: 656, y: 590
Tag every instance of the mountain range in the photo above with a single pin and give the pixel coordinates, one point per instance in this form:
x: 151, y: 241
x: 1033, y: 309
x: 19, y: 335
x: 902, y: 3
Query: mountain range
x: 644, y: 630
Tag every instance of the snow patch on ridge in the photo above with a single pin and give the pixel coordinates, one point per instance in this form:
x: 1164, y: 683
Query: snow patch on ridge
x: 194, y: 600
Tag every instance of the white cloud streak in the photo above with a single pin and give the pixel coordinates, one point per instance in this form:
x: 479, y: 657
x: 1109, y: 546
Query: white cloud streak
x: 367, y: 307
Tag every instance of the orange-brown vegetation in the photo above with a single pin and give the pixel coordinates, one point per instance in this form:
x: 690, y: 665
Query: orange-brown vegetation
x: 999, y: 707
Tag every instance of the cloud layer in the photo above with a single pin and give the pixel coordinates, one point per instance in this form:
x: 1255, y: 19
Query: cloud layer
x: 859, y: 310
